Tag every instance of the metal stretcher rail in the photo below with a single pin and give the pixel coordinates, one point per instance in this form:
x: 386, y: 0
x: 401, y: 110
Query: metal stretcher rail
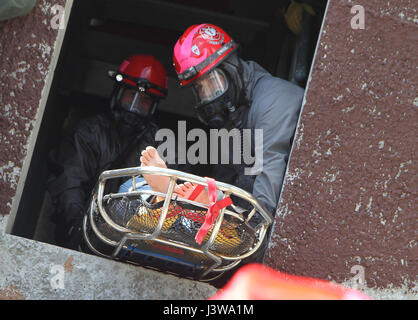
x: 220, y: 261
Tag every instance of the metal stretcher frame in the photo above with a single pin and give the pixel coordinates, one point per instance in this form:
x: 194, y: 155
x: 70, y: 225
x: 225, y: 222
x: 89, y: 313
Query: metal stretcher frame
x: 174, y: 175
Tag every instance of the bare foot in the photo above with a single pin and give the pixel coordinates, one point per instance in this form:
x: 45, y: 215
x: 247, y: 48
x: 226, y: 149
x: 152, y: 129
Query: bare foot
x: 151, y: 158
x: 186, y: 189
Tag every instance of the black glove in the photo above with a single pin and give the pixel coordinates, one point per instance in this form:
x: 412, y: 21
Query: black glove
x: 69, y: 234
x: 75, y: 235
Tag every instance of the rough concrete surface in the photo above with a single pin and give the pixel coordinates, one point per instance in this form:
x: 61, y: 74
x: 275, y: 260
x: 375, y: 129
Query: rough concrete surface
x: 26, y: 48
x: 36, y: 271
x: 349, y: 197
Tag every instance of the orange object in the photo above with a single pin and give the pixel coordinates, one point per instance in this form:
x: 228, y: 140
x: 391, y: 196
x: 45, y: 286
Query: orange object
x: 259, y: 282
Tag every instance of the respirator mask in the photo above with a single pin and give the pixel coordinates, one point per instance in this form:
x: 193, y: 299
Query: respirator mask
x: 215, y: 96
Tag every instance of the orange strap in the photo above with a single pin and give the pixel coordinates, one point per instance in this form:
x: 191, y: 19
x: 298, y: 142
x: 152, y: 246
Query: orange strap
x: 213, y: 210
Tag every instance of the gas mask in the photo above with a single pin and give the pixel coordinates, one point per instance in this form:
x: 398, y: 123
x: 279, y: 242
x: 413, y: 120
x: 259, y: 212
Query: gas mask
x: 216, y: 97
x: 131, y: 107
x: 136, y: 101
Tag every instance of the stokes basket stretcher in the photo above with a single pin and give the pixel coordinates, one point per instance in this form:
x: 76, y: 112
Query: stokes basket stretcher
x: 165, y: 235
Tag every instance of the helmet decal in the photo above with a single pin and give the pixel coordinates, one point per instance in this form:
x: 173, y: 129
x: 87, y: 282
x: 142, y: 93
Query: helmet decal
x: 211, y: 34
x: 182, y: 50
x: 195, y: 50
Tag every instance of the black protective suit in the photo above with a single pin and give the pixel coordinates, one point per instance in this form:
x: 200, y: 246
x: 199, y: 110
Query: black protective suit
x: 94, y: 145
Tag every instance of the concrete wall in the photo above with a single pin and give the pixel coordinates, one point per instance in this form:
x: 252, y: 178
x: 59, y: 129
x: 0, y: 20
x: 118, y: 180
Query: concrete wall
x: 349, y: 193
x: 33, y: 270
x: 27, y: 45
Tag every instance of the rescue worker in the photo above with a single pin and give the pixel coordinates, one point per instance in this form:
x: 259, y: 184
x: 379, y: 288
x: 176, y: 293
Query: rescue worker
x: 105, y: 141
x: 233, y: 93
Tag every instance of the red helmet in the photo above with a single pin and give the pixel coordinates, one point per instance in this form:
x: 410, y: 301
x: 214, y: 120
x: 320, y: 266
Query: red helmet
x: 141, y: 82
x: 200, y: 49
x: 143, y: 72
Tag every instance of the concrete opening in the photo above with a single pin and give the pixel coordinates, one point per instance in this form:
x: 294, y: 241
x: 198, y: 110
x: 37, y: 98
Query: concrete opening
x: 100, y: 34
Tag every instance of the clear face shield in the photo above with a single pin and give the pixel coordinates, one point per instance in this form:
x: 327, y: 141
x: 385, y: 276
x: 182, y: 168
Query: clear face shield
x: 136, y: 101
x: 210, y: 87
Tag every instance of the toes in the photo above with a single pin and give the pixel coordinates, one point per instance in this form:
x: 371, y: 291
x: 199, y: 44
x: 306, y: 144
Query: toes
x: 188, y: 185
x: 144, y: 161
x: 155, y: 156
x: 152, y: 152
x: 183, y: 188
x: 150, y: 155
x: 177, y: 189
x: 146, y: 155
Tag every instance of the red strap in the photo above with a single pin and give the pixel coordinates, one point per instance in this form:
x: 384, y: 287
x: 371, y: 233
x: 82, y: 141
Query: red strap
x: 213, y: 210
x: 196, y: 192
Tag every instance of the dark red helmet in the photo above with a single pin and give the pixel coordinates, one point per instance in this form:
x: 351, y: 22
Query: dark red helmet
x: 141, y: 82
x: 143, y: 72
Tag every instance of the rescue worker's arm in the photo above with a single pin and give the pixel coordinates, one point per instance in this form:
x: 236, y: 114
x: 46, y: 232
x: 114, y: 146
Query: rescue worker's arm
x: 277, y: 114
x: 74, y: 165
